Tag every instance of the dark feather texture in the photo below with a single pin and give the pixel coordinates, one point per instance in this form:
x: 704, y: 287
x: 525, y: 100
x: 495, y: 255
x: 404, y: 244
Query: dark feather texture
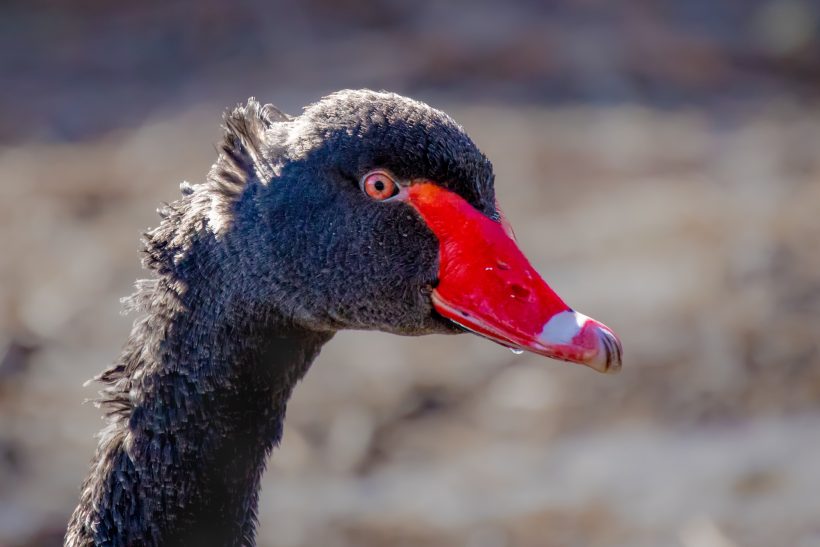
x: 253, y: 271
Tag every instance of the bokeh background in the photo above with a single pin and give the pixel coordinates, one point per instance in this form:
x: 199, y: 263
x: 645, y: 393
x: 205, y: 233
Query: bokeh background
x: 659, y: 159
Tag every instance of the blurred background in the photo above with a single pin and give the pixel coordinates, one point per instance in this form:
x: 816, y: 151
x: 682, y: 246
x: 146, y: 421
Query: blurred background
x: 660, y: 161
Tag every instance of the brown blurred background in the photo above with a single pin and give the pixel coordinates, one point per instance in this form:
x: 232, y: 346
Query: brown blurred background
x: 659, y: 159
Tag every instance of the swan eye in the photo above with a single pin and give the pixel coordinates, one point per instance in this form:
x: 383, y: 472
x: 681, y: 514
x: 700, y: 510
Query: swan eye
x: 379, y: 185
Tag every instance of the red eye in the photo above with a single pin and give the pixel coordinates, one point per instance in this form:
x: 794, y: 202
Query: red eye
x: 379, y: 185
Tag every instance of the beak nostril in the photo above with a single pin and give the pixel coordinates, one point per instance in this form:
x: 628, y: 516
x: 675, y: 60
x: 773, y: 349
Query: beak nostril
x: 517, y: 291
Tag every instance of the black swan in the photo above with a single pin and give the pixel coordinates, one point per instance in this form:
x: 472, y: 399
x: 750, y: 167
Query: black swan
x: 368, y: 211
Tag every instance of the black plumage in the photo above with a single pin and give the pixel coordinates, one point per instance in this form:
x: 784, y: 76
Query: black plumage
x: 253, y: 271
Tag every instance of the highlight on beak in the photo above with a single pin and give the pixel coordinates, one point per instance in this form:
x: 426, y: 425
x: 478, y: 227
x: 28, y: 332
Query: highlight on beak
x: 488, y: 286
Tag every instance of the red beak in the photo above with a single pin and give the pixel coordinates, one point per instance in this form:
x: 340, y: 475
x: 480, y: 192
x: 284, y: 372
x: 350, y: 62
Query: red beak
x: 488, y: 286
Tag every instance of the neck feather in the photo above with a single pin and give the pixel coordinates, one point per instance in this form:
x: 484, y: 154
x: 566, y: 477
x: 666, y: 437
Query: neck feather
x: 195, y: 404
